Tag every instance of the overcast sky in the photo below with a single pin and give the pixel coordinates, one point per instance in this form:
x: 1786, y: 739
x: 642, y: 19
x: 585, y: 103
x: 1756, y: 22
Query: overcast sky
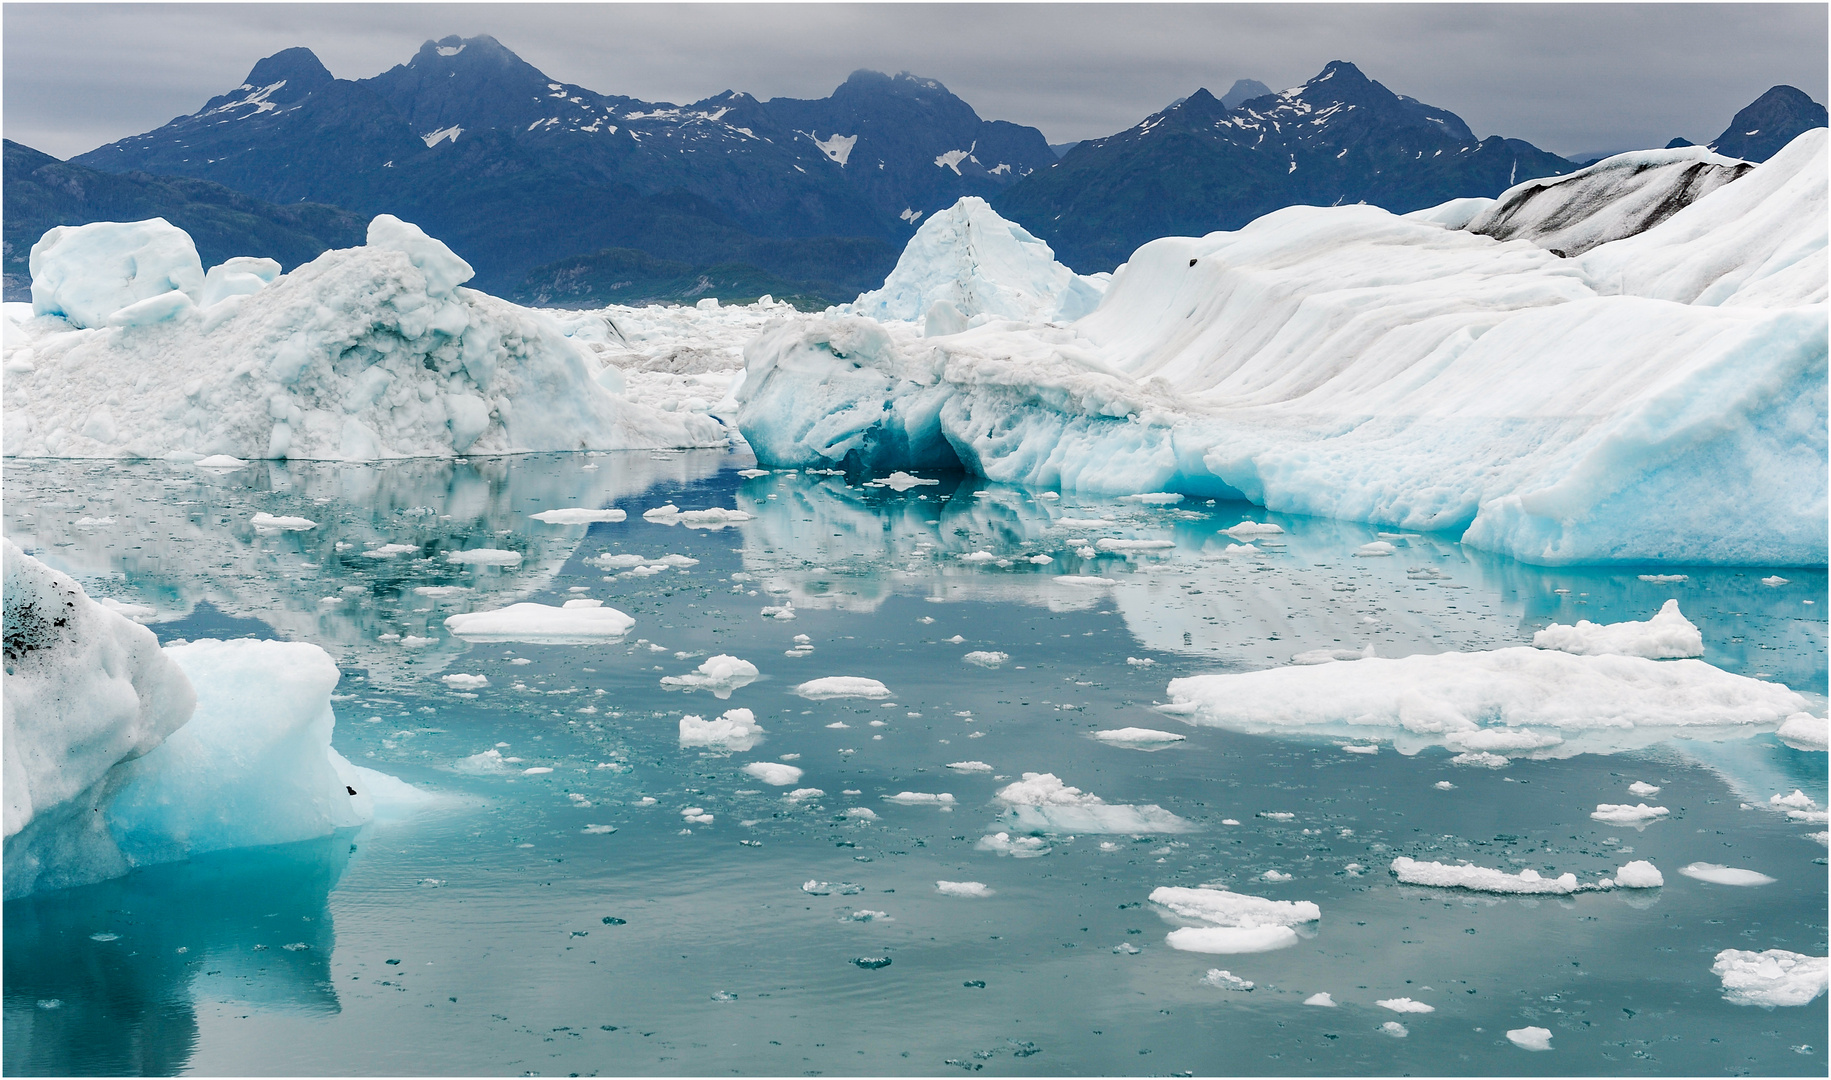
x: 1571, y: 78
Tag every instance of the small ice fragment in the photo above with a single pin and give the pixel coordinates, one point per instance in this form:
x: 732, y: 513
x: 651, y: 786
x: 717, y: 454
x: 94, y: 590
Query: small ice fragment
x: 578, y: 515
x: 1444, y: 785
x: 1229, y: 821
x: 839, y: 725
x: 962, y: 888
x: 1770, y: 978
x: 1321, y: 1000
x: 1395, y: 1029
x: 1774, y: 582
x: 465, y: 682
x: 861, y: 813
x: 1137, y: 736
x: 986, y: 659
x: 1136, y: 661
x: 1623, y: 814
x: 268, y: 522
x: 1375, y: 549
x: 484, y: 557
x: 842, y: 686
x: 1040, y: 560
x: 752, y: 474
x: 802, y: 793
x: 1530, y: 1038
x: 1276, y: 815
x: 1798, y: 800
x: 1664, y: 579
x: 1253, y: 528
x: 969, y: 766
x: 1639, y: 874
x: 1274, y: 876
x: 720, y: 674
x: 1225, y: 980
x: 104, y: 937
x: 920, y: 798
x: 598, y: 830
x: 902, y: 481
x: 1716, y: 874
x: 220, y: 461
x: 773, y: 773
x: 1405, y: 1005
x: 388, y: 551
x: 1127, y: 948
x: 538, y: 770
x: 1642, y: 789
x: 1354, y: 749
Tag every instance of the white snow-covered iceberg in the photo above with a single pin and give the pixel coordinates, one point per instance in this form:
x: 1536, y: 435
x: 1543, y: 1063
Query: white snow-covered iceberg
x: 1350, y: 363
x: 1667, y: 635
x: 121, y: 754
x: 361, y: 354
x: 1514, y: 702
x: 966, y: 265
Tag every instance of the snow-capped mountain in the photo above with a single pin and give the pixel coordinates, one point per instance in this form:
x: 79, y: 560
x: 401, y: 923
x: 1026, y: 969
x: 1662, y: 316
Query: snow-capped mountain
x: 1769, y: 123
x: 520, y: 169
x: 1197, y: 166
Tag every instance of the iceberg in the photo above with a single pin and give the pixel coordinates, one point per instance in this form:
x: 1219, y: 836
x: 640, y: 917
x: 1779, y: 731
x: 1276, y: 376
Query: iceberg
x: 967, y: 264
x: 1234, y: 922
x: 362, y: 354
x: 1040, y: 802
x: 737, y: 729
x: 576, y: 622
x: 720, y: 674
x: 1512, y: 702
x: 1771, y: 977
x: 89, y: 274
x: 1668, y: 635
x: 1349, y: 363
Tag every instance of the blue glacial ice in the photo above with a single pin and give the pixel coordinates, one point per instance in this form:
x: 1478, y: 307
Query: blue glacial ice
x: 1624, y: 406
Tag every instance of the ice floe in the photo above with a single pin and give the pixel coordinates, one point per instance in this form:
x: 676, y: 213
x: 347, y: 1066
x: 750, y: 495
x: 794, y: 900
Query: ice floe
x: 1041, y: 802
x: 1667, y: 635
x: 1020, y: 847
x: 1774, y: 977
x: 1623, y: 814
x: 986, y: 659
x: 963, y: 888
x: 574, y: 622
x: 1235, y: 922
x: 773, y: 773
x: 737, y: 729
x: 921, y: 798
x: 1504, y: 703
x: 578, y: 515
x: 1222, y: 979
x: 1405, y: 1005
x: 1138, y: 738
x: 1717, y: 874
x: 1481, y: 878
x: 265, y: 522
x: 716, y: 517
x: 1530, y: 1038
x: 842, y: 686
x: 719, y: 674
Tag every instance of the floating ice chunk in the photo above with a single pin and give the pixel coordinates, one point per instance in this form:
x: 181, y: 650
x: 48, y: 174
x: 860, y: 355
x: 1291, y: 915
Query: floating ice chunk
x: 861, y: 813
x: 1623, y: 814
x: 1405, y: 1005
x: 1444, y: 785
x: 1230, y: 940
x: 902, y: 481
x: 1321, y: 1000
x: 1109, y: 543
x: 575, y: 622
x: 801, y: 794
x: 1040, y: 560
x: 1225, y: 980
x: 986, y: 659
x: 1717, y: 874
x: 1774, y: 582
x: 536, y: 770
x: 1276, y: 815
x: 87, y: 692
x: 826, y: 888
x: 1356, y: 749
x: 716, y: 517
x: 1376, y: 548
x: 389, y: 551
x: 920, y: 798
x: 1774, y: 977
x: 677, y: 561
x: 1798, y: 800
x: 737, y: 729
x: 1041, y: 802
x: 962, y: 888
x: 1639, y: 874
x: 1395, y: 1029
x: 1253, y: 529
x: 842, y: 686
x: 608, y: 561
x: 1138, y: 738
x: 970, y: 766
x: 598, y: 830
x: 1803, y: 731
x: 720, y: 674
x: 1082, y: 579
x: 1593, y: 703
x: 1481, y: 758
x: 976, y: 557
x: 220, y: 461
x: 773, y: 773
x: 694, y: 815
x: 1241, y: 923
x: 1020, y: 847
x: 1667, y: 635
x: 1136, y: 661
x: 1154, y: 498
x: 489, y: 761
x: 465, y: 682
x: 1275, y: 877
x: 484, y: 557
x: 1642, y: 789
x: 1481, y: 879
x: 441, y: 592
x: 1530, y: 1038
x: 578, y: 515
x: 87, y: 273
x: 783, y: 612
x: 267, y: 522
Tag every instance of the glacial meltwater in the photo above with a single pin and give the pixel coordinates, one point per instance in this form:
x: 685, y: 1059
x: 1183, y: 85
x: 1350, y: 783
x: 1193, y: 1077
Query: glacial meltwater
x: 820, y: 877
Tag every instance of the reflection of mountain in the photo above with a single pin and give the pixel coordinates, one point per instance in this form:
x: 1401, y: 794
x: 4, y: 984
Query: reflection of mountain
x: 182, y: 535
x: 248, y: 926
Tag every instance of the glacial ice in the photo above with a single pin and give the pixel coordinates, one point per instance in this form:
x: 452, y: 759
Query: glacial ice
x: 88, y: 273
x: 1345, y: 362
x: 1717, y: 874
x: 963, y: 888
x: 1138, y: 738
x: 842, y: 686
x: 576, y: 622
x: 364, y: 353
x: 773, y: 773
x: 1512, y: 702
x: 1481, y: 878
x: 1235, y: 922
x: 1803, y: 731
x: 1041, y: 802
x: 1667, y: 635
x: 1771, y: 977
x: 968, y: 263
x: 1530, y: 1038
x: 720, y: 674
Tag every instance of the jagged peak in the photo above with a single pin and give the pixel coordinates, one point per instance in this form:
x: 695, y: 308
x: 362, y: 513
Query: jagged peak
x: 297, y: 66
x: 902, y: 81
x: 479, y: 47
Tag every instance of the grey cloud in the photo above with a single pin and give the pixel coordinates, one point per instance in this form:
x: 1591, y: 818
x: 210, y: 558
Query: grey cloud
x: 1568, y: 77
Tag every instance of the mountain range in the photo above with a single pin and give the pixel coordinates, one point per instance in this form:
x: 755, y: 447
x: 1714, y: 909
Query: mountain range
x: 564, y: 195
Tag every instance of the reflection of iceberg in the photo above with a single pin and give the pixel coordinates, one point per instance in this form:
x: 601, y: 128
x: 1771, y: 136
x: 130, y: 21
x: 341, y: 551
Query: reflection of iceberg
x: 125, y: 1004
x: 184, y: 537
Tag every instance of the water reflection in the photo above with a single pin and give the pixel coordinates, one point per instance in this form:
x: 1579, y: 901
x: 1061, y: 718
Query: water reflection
x: 101, y: 980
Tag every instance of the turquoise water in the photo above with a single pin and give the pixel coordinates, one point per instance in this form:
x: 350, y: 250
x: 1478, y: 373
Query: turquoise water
x: 492, y: 933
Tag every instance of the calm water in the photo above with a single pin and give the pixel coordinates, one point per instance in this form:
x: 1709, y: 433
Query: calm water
x: 494, y: 934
